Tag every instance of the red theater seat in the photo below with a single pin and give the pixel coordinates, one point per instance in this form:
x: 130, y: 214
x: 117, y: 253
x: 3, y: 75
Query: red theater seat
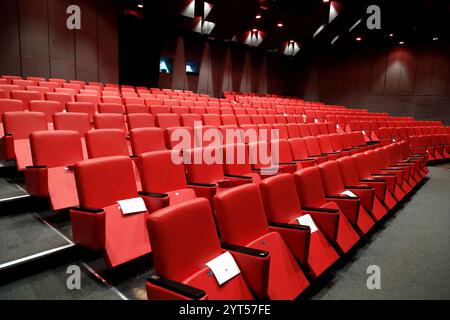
x: 99, y: 223
x: 18, y: 126
x: 191, y: 120
x: 82, y: 107
x: 382, y: 199
x: 353, y: 207
x: 237, y: 162
x: 94, y: 99
x: 282, y: 208
x: 293, y: 131
x: 208, y: 179
x: 111, y: 108
x: 300, y: 154
x: 242, y: 221
x: 49, y: 108
x: 54, y: 154
x: 212, y: 120
x: 72, y: 121
x: 110, y: 121
x: 192, y: 247
x: 163, y: 180
x: 111, y: 99
x: 10, y: 105
x: 145, y: 140
x: 7, y: 89
x: 26, y: 96
x: 140, y: 120
x: 63, y: 98
x: 106, y: 143
x: 330, y: 219
x: 366, y: 175
x: 167, y: 120
x: 23, y: 83
x: 314, y: 151
x: 327, y: 148
x: 337, y: 145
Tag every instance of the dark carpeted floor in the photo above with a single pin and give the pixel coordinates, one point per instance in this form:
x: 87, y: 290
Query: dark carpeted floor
x: 412, y: 250
x: 22, y: 235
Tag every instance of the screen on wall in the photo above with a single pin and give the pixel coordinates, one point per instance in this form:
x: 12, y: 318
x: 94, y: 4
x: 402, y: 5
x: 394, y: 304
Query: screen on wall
x: 165, y: 65
x: 192, y: 68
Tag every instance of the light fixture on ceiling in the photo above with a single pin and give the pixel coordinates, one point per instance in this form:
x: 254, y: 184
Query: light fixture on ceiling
x: 391, y: 35
x: 435, y: 39
x: 280, y: 25
x: 258, y: 16
x: 254, y: 30
x: 325, y: 1
x: 292, y: 41
x: 401, y: 42
x: 358, y: 38
x: 140, y: 6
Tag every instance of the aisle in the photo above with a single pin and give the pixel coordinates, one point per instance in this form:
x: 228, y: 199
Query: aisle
x: 413, y: 250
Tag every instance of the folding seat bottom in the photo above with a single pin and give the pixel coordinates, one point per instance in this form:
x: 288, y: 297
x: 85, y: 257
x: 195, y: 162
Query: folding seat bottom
x: 56, y: 183
x: 22, y: 151
x: 122, y: 237
x: 321, y: 253
x: 346, y: 236
x: 286, y: 280
x: 126, y: 236
x: 370, y: 202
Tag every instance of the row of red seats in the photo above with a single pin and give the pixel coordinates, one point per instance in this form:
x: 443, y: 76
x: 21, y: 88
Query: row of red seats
x: 435, y: 141
x: 113, y: 142
x: 19, y: 125
x: 257, y: 222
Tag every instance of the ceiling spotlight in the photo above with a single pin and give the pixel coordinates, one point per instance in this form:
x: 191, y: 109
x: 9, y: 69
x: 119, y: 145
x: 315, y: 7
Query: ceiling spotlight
x: 326, y: 1
x: 292, y: 41
x: 258, y: 16
x: 401, y: 42
x: 280, y: 25
x: 391, y: 34
x: 140, y: 6
x: 358, y: 38
x: 255, y: 30
x: 435, y: 39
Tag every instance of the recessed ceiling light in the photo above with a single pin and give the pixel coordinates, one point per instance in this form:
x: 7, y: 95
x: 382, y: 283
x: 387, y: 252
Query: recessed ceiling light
x: 258, y: 16
x: 326, y: 1
x: 391, y: 34
x: 401, y: 42
x: 140, y: 5
x: 255, y: 30
x: 292, y: 41
x: 435, y: 38
x: 358, y: 38
x: 280, y: 25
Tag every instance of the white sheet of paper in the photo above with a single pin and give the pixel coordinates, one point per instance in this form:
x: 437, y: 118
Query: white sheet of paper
x: 224, y: 268
x: 307, y: 220
x: 349, y: 194
x: 132, y: 205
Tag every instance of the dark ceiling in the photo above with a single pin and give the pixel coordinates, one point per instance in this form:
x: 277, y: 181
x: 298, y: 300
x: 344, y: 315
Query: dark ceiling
x: 410, y: 21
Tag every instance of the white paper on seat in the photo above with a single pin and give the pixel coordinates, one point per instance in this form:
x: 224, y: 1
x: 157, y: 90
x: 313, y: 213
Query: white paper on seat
x: 224, y: 268
x: 307, y: 220
x: 349, y: 194
x: 132, y: 205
